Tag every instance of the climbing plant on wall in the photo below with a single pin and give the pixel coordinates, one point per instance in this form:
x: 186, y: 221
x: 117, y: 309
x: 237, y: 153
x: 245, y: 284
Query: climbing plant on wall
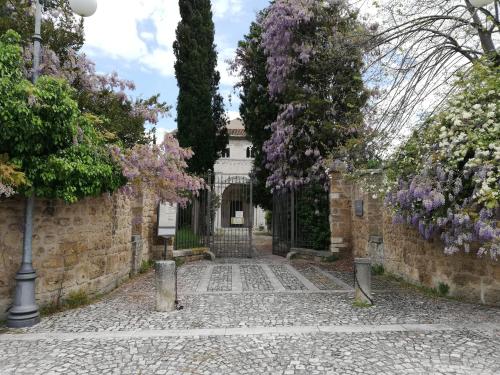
x: 47, y: 137
x: 446, y: 179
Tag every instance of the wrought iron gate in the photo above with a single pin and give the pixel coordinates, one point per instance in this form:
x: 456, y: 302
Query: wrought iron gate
x: 220, y: 218
x: 300, y: 219
x: 231, y: 216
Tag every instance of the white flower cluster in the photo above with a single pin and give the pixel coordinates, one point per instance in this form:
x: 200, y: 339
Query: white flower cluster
x: 6, y: 191
x: 471, y: 141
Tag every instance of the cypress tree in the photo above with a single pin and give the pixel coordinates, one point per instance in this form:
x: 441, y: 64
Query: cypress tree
x: 201, y: 120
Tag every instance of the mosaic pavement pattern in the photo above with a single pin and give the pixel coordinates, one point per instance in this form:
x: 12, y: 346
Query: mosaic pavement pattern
x: 260, y: 316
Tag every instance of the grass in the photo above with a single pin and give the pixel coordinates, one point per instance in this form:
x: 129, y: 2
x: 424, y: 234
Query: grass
x: 146, y: 265
x: 331, y: 259
x: 361, y: 305
x: 187, y: 239
x: 179, y: 262
x: 378, y: 269
x: 442, y: 289
x: 74, y: 300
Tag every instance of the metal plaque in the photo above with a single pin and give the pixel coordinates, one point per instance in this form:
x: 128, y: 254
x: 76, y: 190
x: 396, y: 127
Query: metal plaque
x: 358, y: 208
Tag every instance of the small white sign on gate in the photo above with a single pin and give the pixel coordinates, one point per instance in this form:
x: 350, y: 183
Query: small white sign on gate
x: 167, y: 219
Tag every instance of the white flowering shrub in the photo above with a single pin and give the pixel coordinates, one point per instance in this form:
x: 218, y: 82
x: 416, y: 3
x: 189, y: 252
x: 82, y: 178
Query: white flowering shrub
x: 446, y: 178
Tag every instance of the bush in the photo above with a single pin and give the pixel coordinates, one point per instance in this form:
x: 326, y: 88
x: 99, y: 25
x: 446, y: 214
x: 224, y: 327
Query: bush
x: 146, y: 265
x: 378, y: 269
x: 443, y: 289
x: 77, y: 299
x: 446, y: 179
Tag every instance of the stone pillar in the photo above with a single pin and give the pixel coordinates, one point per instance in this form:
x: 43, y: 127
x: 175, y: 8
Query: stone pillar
x: 363, y: 280
x: 340, y: 210
x: 136, y: 254
x: 165, y: 279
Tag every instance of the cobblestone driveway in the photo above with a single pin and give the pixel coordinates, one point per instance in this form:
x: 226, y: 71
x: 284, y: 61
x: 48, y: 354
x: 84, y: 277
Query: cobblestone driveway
x: 260, y: 316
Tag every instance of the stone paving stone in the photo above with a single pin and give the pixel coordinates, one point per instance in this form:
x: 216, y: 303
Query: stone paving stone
x: 131, y: 309
x: 286, y: 278
x: 189, y: 277
x: 221, y: 279
x: 253, y: 277
x: 321, y: 281
x: 458, y: 352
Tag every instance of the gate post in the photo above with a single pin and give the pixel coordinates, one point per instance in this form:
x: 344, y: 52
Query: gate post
x: 209, y: 212
x: 292, y: 218
x: 250, y: 222
x: 363, y: 280
x: 165, y: 281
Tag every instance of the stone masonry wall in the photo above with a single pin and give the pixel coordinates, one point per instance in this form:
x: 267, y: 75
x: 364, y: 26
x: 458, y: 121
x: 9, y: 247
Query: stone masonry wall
x: 401, y: 249
x: 87, y: 245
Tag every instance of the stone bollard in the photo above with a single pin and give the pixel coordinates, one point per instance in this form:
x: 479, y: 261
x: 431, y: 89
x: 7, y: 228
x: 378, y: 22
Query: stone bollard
x: 363, y: 280
x: 165, y: 285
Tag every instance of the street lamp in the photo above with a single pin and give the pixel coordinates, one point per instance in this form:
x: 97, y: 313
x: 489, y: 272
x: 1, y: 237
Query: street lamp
x: 480, y: 3
x: 24, y: 311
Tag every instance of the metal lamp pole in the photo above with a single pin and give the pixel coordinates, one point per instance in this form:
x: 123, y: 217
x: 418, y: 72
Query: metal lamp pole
x: 24, y: 311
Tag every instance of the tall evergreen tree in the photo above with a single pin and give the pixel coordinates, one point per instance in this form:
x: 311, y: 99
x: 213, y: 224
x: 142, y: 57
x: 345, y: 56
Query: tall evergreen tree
x: 201, y: 120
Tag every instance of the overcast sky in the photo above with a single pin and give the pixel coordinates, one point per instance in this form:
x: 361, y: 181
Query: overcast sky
x: 135, y: 37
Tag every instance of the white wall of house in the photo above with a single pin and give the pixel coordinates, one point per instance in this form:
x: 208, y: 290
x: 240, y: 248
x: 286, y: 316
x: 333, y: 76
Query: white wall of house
x: 238, y: 163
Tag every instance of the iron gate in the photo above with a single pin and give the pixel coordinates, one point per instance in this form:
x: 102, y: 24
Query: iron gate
x: 220, y: 218
x: 300, y: 219
x: 231, y: 216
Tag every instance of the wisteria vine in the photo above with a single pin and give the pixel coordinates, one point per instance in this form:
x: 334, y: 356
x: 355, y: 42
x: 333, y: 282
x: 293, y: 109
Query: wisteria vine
x: 453, y: 188
x: 313, y: 67
x: 159, y: 168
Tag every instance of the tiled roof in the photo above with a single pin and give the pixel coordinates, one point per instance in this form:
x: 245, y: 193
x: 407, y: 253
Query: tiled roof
x: 237, y: 132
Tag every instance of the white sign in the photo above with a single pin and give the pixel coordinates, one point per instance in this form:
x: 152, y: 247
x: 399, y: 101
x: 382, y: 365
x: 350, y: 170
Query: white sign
x: 238, y: 214
x: 167, y: 219
x: 237, y: 221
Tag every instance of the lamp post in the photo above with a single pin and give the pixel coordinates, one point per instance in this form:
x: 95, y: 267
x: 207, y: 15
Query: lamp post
x: 483, y: 3
x: 24, y: 311
x: 480, y: 3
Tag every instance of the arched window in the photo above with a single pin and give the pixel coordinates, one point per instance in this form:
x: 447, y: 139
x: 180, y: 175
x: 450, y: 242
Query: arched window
x: 226, y: 153
x: 250, y: 153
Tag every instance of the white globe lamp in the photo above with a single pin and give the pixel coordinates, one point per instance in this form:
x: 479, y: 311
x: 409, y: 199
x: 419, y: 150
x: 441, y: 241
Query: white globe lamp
x: 84, y: 8
x: 480, y: 3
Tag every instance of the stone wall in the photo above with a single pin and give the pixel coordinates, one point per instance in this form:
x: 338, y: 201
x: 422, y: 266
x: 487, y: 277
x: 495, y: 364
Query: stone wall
x: 401, y: 249
x: 87, y: 245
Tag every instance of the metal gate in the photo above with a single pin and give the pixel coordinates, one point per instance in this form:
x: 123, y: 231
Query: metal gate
x: 220, y: 218
x: 231, y: 216
x: 300, y: 219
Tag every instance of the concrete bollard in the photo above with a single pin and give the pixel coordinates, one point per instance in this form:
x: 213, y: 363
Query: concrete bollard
x: 165, y: 285
x: 363, y: 283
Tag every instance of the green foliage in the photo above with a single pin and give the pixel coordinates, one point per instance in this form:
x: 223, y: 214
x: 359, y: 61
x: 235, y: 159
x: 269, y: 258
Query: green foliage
x: 331, y: 259
x: 76, y: 299
x: 201, y: 120
x: 443, y: 289
x: 179, y: 262
x: 186, y: 239
x: 61, y: 32
x: 269, y: 218
x: 257, y: 109
x: 146, y: 265
x: 378, y: 269
x: 10, y: 174
x: 47, y: 137
x: 446, y: 178
x: 312, y: 207
x: 361, y: 305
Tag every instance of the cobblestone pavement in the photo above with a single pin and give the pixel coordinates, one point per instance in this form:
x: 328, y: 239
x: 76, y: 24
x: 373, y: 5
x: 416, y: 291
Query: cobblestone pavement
x: 260, y: 316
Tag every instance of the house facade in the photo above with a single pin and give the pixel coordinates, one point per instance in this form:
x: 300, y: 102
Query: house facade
x: 232, y: 173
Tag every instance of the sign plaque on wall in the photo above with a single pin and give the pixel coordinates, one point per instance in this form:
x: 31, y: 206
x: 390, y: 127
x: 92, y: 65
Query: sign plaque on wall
x: 167, y: 219
x: 358, y: 208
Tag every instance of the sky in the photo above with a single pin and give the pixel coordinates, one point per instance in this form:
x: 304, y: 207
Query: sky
x: 135, y: 37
